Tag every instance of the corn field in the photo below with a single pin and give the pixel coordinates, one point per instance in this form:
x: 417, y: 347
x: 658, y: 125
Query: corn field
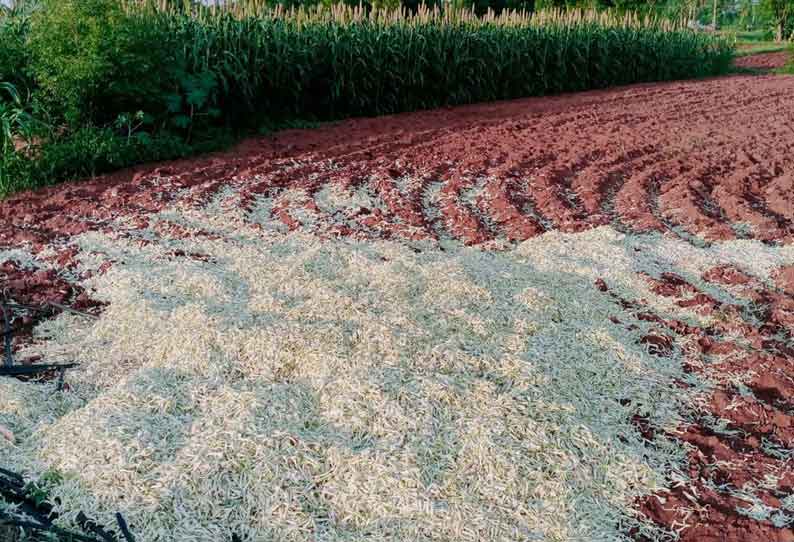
x: 326, y: 63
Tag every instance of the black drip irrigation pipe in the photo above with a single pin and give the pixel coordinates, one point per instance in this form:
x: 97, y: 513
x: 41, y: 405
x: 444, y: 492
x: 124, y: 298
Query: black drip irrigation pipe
x: 8, y: 359
x: 14, y: 490
x: 92, y: 527
x: 125, y: 532
x: 9, y: 369
x: 35, y: 369
x: 67, y: 535
x: 12, y: 485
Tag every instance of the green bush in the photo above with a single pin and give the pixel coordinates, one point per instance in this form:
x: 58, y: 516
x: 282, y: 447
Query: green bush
x: 14, y: 118
x: 92, y: 60
x: 87, y: 152
x: 14, y: 56
x: 109, y: 90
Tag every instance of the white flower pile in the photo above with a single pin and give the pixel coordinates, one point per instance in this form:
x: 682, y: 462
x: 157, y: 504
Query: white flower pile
x: 293, y: 388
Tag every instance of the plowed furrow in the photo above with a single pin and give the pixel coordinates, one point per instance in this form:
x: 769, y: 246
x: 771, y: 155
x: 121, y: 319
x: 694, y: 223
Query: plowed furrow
x: 687, y: 202
x: 459, y: 219
x: 506, y: 212
x: 743, y: 206
x: 779, y: 195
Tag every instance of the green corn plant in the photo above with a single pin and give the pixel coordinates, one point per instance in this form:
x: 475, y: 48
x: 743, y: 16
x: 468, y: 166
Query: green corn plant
x: 16, y: 124
x: 322, y: 62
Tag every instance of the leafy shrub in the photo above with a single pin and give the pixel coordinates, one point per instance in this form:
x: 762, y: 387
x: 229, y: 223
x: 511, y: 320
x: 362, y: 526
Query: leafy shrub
x: 109, y: 88
x: 87, y: 152
x: 15, y: 121
x: 193, y: 103
x: 14, y: 57
x: 93, y: 60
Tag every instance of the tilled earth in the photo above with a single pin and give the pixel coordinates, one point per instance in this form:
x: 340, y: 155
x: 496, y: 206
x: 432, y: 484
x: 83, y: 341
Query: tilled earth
x: 705, y: 162
x: 764, y: 61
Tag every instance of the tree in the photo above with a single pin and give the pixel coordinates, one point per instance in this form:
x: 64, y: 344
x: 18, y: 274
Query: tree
x: 782, y: 12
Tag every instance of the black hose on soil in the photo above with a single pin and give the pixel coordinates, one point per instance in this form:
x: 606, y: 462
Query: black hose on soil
x: 38, y: 516
x: 7, y: 333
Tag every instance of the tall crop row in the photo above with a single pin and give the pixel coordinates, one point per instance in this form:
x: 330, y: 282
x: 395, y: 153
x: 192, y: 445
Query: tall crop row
x: 323, y: 63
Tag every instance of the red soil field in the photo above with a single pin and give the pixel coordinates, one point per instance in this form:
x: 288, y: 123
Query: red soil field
x: 764, y: 61
x: 705, y: 161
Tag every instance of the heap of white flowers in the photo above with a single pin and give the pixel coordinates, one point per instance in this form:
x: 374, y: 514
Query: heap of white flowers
x: 293, y: 388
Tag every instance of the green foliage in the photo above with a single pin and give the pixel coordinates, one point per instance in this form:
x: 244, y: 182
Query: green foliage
x: 14, y: 57
x: 754, y: 36
x: 110, y: 89
x: 93, y: 60
x: 193, y: 101
x: 39, y: 490
x: 87, y: 152
x: 15, y: 121
x: 320, y: 66
x: 782, y: 13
